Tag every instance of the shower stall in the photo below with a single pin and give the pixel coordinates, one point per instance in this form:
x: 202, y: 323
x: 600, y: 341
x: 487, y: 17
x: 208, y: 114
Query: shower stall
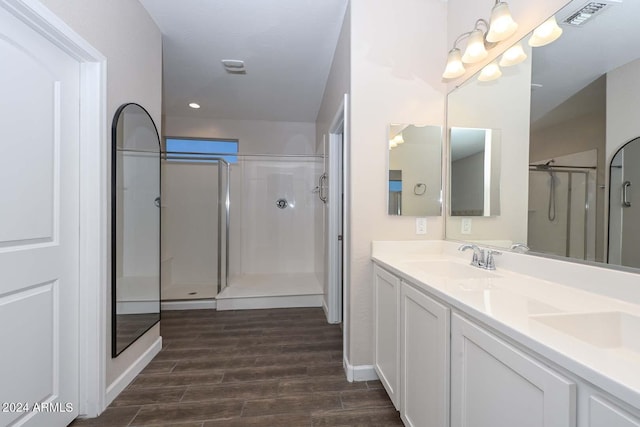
x: 240, y: 231
x: 561, y: 210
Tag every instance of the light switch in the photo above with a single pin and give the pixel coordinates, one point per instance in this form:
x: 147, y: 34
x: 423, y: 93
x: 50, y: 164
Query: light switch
x: 421, y: 225
x: 465, y: 228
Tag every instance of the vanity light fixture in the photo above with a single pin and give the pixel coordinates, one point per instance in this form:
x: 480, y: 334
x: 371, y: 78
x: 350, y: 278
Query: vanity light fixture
x: 194, y: 105
x: 398, y: 139
x: 502, y: 26
x: 490, y: 72
x: 514, y: 55
x: 547, y: 32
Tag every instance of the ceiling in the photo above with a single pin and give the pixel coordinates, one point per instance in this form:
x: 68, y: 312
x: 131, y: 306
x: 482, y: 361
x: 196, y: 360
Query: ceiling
x: 580, y: 56
x: 287, y: 47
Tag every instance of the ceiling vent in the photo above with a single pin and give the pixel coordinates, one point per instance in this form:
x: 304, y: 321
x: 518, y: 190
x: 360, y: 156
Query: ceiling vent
x: 234, y: 66
x: 588, y: 12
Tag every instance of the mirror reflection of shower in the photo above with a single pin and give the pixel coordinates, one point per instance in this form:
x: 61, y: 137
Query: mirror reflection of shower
x: 562, y: 219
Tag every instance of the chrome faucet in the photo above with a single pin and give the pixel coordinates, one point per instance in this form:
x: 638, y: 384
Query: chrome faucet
x: 481, y: 258
x: 478, y: 254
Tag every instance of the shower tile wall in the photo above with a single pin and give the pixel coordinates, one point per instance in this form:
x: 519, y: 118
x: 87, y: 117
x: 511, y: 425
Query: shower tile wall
x: 264, y: 238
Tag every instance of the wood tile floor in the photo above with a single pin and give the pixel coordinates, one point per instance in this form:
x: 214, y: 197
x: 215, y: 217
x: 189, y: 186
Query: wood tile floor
x: 280, y: 368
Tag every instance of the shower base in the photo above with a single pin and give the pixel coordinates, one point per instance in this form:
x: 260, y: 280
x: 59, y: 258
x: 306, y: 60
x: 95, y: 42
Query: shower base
x: 252, y: 291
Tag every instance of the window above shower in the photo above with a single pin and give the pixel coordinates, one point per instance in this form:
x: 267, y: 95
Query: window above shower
x: 201, y: 150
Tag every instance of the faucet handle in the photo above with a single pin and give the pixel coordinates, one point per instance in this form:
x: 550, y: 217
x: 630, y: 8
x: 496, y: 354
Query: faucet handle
x: 519, y: 247
x: 490, y: 263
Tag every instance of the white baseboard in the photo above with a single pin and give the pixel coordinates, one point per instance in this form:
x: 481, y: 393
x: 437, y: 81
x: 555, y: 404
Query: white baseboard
x: 359, y: 373
x: 120, y: 383
x: 285, y: 301
x: 189, y: 305
x: 325, y: 308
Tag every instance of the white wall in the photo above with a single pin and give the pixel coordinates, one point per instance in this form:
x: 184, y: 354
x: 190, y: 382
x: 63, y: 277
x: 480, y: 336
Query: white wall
x: 338, y: 84
x: 623, y: 104
x: 396, y: 52
x: 255, y: 136
x: 127, y: 36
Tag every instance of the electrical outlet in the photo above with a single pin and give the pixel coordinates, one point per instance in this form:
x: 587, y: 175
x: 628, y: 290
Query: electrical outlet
x: 465, y: 227
x: 421, y: 225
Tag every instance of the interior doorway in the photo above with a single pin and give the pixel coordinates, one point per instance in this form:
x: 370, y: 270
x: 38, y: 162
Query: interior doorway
x: 336, y: 236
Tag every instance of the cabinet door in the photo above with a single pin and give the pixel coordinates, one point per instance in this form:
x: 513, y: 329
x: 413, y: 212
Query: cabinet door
x: 386, y: 306
x: 603, y: 413
x: 424, y: 350
x: 495, y: 385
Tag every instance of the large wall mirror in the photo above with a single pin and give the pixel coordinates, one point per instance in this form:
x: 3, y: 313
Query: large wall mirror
x: 563, y: 114
x: 135, y: 273
x: 415, y: 170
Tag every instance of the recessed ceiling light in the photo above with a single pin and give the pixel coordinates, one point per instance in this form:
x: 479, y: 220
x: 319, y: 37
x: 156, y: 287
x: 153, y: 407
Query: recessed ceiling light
x: 194, y: 105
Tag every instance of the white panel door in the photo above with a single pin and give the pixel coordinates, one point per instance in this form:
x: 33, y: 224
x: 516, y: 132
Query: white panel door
x: 39, y: 226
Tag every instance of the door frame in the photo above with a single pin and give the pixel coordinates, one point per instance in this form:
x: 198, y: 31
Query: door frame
x: 338, y: 269
x: 93, y: 215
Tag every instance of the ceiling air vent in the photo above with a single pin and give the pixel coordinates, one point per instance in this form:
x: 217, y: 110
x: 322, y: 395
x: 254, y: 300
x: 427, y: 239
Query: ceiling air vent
x: 588, y: 12
x: 234, y: 66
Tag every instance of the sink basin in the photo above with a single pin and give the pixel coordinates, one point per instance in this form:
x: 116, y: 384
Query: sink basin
x: 453, y: 270
x: 611, y: 330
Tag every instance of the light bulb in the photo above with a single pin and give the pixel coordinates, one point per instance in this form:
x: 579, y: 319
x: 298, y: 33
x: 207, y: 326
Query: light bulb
x: 547, y: 32
x: 454, y: 67
x: 514, y: 55
x: 475, y: 51
x: 502, y: 26
x: 398, y: 139
x: 490, y: 72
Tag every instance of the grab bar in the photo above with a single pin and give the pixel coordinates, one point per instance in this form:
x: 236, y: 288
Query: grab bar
x: 625, y: 196
x: 321, y: 193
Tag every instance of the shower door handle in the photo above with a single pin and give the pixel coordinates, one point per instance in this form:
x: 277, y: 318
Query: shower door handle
x: 321, y: 186
x: 625, y: 194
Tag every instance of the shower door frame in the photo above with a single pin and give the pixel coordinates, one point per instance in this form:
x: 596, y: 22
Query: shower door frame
x: 224, y: 203
x: 570, y: 170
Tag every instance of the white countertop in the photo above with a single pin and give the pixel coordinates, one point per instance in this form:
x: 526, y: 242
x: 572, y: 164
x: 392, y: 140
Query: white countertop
x: 519, y: 301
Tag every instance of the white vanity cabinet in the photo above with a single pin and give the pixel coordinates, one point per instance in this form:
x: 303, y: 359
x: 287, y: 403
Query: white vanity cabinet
x: 442, y: 366
x: 424, y: 355
x: 494, y: 384
x: 603, y: 413
x: 386, y: 331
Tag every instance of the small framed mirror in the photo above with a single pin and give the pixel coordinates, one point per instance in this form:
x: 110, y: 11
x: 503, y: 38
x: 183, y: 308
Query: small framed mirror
x: 135, y: 241
x: 414, y: 170
x: 475, y: 171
